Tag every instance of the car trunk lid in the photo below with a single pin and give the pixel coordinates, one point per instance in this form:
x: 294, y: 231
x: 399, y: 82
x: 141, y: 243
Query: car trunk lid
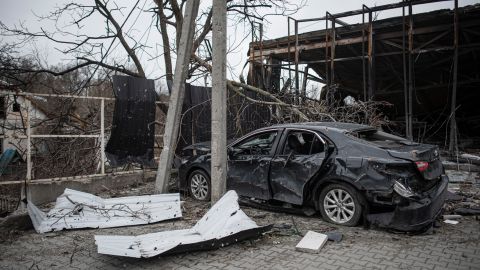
x: 424, y: 156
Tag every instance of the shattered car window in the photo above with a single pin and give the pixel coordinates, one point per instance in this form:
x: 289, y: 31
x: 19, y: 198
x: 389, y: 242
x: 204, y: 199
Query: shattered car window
x: 258, y: 144
x: 303, y: 143
x: 380, y: 138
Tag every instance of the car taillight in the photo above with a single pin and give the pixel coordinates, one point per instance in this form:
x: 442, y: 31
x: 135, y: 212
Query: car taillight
x: 422, y: 165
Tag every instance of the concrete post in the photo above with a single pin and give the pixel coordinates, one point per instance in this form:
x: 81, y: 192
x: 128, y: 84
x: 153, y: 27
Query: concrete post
x: 219, y: 101
x: 176, y: 98
x: 102, y: 136
x: 29, y: 142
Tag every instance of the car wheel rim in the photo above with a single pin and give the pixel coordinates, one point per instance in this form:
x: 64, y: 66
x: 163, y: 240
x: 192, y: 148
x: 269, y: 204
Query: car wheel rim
x: 199, y: 186
x: 339, y: 205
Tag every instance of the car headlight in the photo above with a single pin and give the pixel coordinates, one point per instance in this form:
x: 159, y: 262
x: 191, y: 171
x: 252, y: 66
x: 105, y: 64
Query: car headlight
x: 402, y: 189
x: 184, y: 161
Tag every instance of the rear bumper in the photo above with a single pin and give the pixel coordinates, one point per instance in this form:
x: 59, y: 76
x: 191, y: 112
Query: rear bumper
x: 414, y: 215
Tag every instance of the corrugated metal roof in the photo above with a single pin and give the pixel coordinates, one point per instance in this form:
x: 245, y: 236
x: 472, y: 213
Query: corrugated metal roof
x: 223, y: 220
x: 74, y: 209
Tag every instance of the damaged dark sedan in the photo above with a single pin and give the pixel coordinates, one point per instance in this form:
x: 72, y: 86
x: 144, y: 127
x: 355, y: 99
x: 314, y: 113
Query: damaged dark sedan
x: 347, y: 172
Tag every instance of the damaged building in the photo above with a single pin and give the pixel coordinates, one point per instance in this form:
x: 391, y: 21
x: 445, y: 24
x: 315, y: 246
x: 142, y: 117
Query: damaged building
x: 426, y: 65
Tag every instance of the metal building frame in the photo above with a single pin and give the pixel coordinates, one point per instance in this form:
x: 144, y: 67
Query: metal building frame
x: 368, y: 54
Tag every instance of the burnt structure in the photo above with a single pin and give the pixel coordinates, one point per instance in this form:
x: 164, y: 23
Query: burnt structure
x: 426, y: 65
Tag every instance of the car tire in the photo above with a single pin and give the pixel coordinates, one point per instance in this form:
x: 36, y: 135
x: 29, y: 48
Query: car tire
x: 199, y: 185
x: 339, y: 204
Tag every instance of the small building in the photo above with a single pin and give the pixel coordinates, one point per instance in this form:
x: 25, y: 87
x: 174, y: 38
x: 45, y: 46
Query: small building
x: 13, y: 119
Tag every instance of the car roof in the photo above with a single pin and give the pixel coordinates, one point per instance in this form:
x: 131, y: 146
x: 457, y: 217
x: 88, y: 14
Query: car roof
x: 339, y: 126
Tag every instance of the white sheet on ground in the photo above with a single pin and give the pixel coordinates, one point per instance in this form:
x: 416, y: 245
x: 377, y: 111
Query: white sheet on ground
x: 223, y: 219
x: 75, y: 209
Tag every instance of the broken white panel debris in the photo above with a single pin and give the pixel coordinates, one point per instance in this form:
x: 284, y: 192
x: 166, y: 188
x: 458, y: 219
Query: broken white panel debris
x: 74, y: 209
x: 224, y: 219
x: 312, y: 242
x: 449, y: 221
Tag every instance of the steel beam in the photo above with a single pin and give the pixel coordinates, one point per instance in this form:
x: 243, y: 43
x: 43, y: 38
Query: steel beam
x: 371, y: 48
x: 405, y: 83
x: 297, y: 82
x: 410, y: 73
x: 453, y: 145
x: 364, y: 76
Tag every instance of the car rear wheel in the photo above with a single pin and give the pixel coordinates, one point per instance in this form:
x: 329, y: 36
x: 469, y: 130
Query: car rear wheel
x: 339, y: 204
x: 199, y: 185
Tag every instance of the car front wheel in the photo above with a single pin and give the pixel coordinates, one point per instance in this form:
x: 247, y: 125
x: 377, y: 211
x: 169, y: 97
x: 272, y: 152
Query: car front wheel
x: 199, y: 185
x: 339, y: 205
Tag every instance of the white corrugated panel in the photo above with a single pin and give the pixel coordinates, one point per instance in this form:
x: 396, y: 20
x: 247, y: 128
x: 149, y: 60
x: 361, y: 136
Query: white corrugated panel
x: 225, y: 218
x: 74, y: 209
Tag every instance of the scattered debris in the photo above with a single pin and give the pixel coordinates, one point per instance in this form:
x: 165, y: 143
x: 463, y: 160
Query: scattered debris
x: 462, y: 176
x: 260, y: 215
x: 449, y: 165
x: 225, y: 223
x: 74, y: 209
x: 312, y: 242
x: 452, y: 217
x: 449, y: 221
x: 468, y: 211
x: 309, y: 211
x: 471, y: 158
x: 452, y: 197
x: 20, y: 222
x: 334, y: 236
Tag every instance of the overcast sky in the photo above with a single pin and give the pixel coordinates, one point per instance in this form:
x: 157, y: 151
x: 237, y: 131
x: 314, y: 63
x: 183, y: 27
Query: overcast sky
x: 14, y: 12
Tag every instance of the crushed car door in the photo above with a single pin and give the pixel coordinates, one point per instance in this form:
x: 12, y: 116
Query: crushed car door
x: 249, y: 164
x: 300, y: 157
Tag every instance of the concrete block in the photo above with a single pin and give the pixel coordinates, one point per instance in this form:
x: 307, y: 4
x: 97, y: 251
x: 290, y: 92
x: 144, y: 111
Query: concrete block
x: 312, y: 242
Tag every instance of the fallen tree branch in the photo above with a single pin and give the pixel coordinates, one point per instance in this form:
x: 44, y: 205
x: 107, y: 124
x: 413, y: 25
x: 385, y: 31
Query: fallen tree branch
x: 237, y: 86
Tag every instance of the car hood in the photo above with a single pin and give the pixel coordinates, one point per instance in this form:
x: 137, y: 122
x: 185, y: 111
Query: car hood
x: 204, y: 146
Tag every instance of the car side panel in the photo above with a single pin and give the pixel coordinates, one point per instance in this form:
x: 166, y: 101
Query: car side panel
x: 249, y: 174
x: 289, y: 175
x: 289, y: 178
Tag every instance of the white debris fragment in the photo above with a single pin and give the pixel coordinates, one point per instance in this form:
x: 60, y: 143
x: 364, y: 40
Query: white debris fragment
x: 223, y: 220
x: 449, y: 221
x: 470, y: 157
x: 312, y: 242
x: 74, y: 209
x: 349, y: 101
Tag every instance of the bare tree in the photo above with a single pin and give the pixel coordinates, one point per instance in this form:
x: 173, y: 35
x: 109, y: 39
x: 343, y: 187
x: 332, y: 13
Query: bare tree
x: 95, y: 50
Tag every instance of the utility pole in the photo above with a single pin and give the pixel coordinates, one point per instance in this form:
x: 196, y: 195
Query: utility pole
x: 219, y: 101
x: 176, y: 97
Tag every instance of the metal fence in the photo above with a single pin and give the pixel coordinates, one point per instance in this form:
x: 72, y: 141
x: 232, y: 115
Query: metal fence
x: 29, y: 136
